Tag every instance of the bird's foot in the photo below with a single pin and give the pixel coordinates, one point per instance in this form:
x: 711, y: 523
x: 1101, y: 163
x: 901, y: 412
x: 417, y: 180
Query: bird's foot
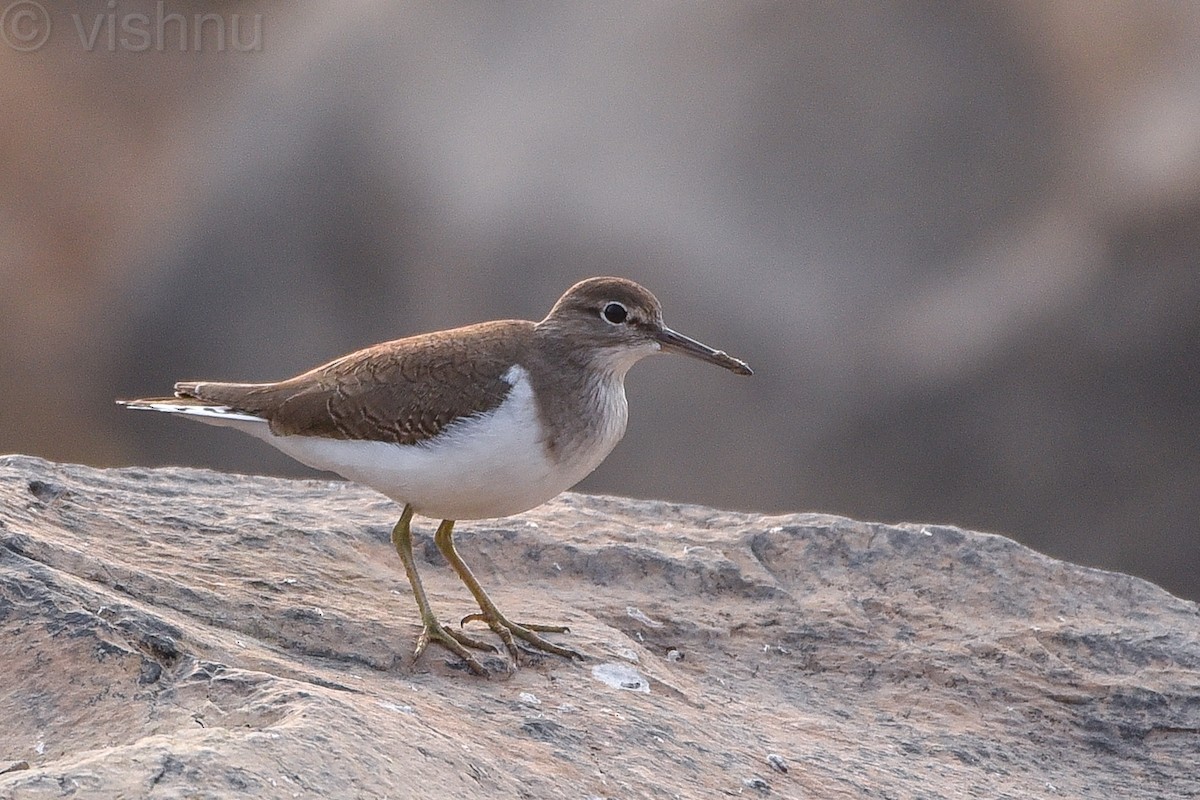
x: 509, y: 632
x: 456, y: 642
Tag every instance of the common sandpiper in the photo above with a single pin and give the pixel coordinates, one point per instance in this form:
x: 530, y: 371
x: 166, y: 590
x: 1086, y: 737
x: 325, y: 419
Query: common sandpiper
x: 477, y: 422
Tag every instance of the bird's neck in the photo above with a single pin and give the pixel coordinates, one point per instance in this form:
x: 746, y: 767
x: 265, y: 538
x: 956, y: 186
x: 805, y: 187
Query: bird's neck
x: 581, y: 403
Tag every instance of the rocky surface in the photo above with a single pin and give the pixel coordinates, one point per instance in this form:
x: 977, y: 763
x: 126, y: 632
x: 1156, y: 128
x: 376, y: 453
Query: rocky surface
x: 958, y: 246
x: 182, y: 633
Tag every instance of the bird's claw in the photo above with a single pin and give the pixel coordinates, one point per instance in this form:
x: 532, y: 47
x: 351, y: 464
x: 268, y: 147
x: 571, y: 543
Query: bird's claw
x: 456, y: 642
x: 510, y: 632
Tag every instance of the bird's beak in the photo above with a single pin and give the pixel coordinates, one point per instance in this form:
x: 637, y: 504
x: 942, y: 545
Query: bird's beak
x: 673, y: 342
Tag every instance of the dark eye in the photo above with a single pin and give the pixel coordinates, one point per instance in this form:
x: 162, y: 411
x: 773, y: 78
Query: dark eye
x: 615, y: 313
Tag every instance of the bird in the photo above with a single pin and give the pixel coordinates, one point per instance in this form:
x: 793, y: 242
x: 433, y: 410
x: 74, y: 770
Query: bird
x: 477, y: 422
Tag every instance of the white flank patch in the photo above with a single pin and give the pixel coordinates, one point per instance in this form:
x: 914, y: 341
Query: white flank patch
x: 491, y: 465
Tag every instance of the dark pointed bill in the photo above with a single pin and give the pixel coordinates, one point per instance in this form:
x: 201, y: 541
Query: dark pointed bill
x: 673, y: 342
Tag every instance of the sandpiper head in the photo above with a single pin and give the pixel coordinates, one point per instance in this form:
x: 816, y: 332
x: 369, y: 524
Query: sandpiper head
x: 622, y: 322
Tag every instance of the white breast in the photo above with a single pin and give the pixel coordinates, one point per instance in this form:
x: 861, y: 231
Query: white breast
x: 491, y: 465
x: 608, y: 414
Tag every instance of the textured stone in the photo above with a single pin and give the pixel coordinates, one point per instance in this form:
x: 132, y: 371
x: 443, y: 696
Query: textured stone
x: 183, y: 633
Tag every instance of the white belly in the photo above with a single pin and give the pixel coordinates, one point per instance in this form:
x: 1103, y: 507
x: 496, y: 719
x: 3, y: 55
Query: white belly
x: 492, y: 465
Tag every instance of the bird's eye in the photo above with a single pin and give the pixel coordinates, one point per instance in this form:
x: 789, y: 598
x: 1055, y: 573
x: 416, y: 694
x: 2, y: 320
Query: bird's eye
x: 615, y: 313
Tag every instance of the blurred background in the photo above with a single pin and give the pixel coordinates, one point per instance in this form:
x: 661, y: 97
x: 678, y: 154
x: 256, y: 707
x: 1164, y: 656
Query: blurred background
x: 959, y: 243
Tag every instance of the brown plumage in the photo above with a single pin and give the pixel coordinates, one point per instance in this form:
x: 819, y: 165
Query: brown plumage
x: 541, y: 405
x: 402, y: 392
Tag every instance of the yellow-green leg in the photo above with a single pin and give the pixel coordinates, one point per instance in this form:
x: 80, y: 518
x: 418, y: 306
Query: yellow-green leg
x: 504, y: 628
x: 456, y: 642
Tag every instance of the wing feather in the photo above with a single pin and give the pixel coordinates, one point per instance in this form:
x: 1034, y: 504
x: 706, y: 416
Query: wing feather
x: 406, y: 391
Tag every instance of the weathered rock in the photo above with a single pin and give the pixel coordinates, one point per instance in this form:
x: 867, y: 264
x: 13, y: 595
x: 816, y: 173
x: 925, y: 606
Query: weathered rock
x: 181, y: 633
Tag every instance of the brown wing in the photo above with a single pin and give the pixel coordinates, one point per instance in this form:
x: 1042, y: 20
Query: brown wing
x: 404, y: 391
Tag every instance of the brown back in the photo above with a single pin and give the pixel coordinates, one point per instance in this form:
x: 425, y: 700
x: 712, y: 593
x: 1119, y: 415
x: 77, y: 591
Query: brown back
x: 404, y: 391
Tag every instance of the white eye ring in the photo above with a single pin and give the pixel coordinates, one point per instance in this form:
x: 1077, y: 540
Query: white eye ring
x: 614, y: 313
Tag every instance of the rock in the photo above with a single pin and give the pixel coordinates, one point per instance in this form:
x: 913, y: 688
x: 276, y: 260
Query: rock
x: 176, y: 632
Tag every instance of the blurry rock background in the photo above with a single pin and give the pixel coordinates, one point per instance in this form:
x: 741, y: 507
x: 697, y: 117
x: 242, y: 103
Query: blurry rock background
x: 959, y: 243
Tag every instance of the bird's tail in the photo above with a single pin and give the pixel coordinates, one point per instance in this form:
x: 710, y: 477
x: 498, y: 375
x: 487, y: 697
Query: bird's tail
x: 195, y: 400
